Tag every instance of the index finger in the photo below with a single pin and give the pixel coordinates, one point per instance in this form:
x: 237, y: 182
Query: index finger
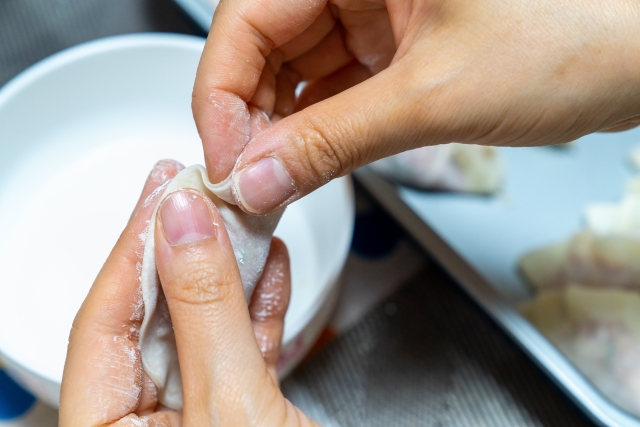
x: 243, y: 33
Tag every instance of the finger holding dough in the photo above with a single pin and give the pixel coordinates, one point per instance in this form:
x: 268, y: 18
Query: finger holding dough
x: 220, y: 362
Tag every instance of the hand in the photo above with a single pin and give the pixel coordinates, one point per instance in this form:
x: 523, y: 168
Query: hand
x: 387, y: 76
x: 228, y: 352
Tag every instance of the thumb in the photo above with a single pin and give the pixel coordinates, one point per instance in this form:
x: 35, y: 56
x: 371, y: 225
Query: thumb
x: 225, y: 378
x: 378, y: 117
x: 220, y: 361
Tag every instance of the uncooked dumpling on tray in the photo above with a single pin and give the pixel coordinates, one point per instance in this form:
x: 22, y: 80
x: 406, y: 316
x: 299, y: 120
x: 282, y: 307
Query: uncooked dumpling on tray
x: 599, y: 331
x: 251, y: 239
x: 621, y: 218
x: 606, y: 254
x: 588, y: 297
x: 606, y: 261
x: 617, y: 218
x: 451, y: 167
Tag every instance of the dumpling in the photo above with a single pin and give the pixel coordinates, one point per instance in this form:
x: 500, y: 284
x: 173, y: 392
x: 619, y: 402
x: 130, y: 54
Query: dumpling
x: 588, y: 259
x: 599, y: 331
x: 452, y: 167
x: 587, y: 300
x: 617, y: 218
x: 251, y: 239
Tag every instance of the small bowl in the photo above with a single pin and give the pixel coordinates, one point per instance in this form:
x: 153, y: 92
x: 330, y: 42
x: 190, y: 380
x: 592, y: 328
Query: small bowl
x: 78, y: 134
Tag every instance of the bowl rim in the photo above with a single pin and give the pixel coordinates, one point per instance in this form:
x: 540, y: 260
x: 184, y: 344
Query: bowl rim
x: 91, y: 48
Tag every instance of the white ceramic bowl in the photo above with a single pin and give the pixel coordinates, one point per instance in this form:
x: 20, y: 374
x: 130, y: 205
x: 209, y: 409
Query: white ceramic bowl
x: 78, y: 134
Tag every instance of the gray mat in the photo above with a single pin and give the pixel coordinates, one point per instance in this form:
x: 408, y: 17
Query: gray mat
x: 428, y: 357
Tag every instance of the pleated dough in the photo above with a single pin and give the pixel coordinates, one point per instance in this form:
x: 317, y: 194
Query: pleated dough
x: 609, y: 261
x: 599, y: 331
x: 451, y: 167
x: 251, y: 239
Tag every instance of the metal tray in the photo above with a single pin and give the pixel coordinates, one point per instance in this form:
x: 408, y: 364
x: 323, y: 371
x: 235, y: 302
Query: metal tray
x: 480, y: 239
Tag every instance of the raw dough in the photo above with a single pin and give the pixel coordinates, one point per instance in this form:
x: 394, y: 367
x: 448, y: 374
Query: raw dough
x: 599, y: 331
x: 251, y: 239
x: 589, y: 259
x: 588, y: 302
x: 617, y: 218
x: 452, y: 167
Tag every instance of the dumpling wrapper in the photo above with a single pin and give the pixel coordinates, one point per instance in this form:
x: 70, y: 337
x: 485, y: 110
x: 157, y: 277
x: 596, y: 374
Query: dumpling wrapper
x: 451, y: 167
x: 621, y: 218
x: 575, y: 303
x: 617, y: 218
x: 589, y: 259
x: 599, y: 331
x: 251, y: 239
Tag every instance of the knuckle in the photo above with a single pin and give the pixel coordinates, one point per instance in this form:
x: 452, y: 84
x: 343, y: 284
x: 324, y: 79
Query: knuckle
x: 201, y: 282
x: 326, y: 151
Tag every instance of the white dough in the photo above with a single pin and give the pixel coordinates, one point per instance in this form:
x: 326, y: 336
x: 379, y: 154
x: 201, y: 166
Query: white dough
x: 588, y: 302
x: 599, y: 331
x: 617, y: 218
x: 251, y: 239
x: 609, y: 261
x: 452, y: 167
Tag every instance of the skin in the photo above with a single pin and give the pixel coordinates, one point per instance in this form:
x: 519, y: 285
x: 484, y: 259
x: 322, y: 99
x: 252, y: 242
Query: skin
x: 388, y: 76
x: 228, y: 352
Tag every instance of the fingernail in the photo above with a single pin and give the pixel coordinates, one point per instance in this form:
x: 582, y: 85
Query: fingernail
x: 264, y: 185
x: 186, y: 218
